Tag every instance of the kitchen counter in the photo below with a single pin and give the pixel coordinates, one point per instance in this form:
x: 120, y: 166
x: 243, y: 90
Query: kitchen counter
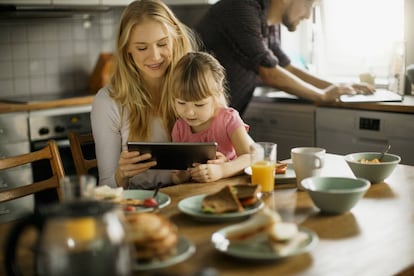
x: 263, y: 94
x: 7, y: 107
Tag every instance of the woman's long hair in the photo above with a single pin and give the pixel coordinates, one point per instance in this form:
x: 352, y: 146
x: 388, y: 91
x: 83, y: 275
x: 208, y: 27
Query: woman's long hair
x: 127, y: 86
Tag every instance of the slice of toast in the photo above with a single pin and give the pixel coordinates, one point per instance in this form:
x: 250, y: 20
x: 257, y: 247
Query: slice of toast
x: 222, y: 201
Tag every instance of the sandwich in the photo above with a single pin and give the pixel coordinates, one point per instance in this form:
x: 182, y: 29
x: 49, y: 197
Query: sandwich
x: 247, y: 194
x: 223, y: 201
x: 283, y: 237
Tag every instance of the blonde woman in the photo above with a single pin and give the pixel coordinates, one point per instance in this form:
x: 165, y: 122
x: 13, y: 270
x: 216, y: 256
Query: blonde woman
x: 199, y: 98
x: 134, y: 107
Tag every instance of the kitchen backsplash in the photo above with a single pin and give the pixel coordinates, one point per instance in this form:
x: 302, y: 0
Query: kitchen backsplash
x: 57, y: 55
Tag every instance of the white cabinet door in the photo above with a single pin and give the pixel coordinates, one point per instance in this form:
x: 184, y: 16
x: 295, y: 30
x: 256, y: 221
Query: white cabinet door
x: 345, y: 131
x: 287, y: 125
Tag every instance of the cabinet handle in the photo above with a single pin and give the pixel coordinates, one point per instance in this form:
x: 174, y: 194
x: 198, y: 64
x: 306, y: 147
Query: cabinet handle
x: 380, y: 142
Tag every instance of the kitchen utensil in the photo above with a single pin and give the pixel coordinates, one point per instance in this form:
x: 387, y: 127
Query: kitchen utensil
x: 157, y: 189
x: 74, y: 238
x: 386, y: 149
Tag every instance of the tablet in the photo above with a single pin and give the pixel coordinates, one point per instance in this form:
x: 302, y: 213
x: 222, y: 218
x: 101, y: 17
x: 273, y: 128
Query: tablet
x: 176, y: 156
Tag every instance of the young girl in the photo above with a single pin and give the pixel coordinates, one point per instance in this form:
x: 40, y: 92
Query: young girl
x: 199, y: 100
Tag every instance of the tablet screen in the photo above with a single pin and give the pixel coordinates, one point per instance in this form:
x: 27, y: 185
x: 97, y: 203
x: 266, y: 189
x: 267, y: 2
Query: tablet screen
x: 176, y: 156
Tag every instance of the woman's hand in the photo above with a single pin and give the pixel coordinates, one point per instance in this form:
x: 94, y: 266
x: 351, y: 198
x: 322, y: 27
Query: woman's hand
x: 131, y: 164
x: 206, y: 172
x: 179, y: 176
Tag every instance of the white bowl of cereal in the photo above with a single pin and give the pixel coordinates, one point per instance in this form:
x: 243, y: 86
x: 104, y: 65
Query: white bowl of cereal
x: 367, y: 165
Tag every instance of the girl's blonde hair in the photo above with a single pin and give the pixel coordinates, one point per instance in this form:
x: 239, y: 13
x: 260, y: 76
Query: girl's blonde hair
x: 197, y: 76
x: 126, y: 83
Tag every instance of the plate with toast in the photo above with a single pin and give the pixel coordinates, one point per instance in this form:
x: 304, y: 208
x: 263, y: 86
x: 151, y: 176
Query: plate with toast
x: 264, y: 237
x: 232, y: 202
x: 284, y: 173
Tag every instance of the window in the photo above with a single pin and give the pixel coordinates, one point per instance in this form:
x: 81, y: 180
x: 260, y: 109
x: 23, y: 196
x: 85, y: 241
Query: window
x: 349, y: 37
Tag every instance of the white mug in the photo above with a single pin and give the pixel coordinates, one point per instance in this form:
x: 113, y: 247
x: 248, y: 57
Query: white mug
x: 307, y: 162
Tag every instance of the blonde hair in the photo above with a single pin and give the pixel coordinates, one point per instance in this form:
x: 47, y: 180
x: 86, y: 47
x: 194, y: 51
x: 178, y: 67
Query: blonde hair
x: 197, y: 76
x: 127, y: 86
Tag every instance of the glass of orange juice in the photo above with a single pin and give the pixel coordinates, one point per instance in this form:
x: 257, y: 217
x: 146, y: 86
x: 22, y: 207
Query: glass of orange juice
x: 263, y: 162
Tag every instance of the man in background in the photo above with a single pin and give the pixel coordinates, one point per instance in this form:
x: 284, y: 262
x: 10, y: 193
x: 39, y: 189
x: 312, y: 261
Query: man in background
x: 244, y: 36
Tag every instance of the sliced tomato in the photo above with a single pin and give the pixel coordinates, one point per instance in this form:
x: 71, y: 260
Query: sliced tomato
x: 281, y: 168
x: 248, y: 201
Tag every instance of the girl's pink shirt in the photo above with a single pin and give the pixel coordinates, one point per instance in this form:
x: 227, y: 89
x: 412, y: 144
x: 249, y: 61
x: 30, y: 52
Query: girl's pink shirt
x: 219, y: 131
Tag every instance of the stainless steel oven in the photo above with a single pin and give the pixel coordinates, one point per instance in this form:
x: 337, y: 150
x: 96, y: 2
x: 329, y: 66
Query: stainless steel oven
x: 55, y: 124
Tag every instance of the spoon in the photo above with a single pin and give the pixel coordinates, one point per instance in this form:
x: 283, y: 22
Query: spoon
x: 385, y: 150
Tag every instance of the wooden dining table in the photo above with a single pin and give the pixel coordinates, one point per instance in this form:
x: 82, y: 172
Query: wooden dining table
x: 376, y: 237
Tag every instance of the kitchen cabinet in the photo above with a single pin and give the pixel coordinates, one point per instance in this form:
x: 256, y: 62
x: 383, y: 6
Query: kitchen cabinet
x: 76, y: 2
x: 99, y: 2
x: 14, y: 140
x: 288, y: 125
x: 345, y: 131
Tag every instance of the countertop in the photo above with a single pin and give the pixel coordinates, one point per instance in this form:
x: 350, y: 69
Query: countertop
x: 267, y: 95
x: 6, y: 107
x: 406, y: 106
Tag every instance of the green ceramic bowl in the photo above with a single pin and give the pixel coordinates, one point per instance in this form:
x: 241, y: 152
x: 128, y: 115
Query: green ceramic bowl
x: 374, y: 172
x: 335, y: 195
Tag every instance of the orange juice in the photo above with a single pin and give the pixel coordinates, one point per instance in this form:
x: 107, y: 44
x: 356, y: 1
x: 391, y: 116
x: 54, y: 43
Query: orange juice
x: 81, y: 229
x: 263, y: 174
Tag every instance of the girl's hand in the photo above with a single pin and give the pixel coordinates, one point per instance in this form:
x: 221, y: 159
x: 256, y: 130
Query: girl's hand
x: 206, y: 172
x: 128, y: 166
x: 220, y: 159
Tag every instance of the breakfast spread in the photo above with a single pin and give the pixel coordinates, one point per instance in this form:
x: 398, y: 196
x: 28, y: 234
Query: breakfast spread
x: 231, y: 198
x: 154, y: 236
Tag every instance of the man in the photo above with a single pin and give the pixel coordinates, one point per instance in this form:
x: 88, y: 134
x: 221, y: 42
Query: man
x: 243, y: 36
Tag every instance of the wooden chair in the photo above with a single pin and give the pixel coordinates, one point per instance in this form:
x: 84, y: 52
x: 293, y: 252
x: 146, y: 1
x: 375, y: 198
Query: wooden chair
x: 78, y: 143
x: 49, y: 152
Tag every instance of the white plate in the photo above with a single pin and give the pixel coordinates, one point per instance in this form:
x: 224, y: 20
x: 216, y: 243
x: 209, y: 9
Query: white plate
x: 163, y: 199
x: 288, y: 177
x: 185, y: 248
x: 259, y: 247
x: 192, y: 206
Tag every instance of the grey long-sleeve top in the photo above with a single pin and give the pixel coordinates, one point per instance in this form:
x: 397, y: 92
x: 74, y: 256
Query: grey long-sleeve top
x: 111, y: 133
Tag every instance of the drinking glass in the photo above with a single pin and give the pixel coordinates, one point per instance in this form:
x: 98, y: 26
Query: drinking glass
x: 76, y: 187
x: 263, y: 163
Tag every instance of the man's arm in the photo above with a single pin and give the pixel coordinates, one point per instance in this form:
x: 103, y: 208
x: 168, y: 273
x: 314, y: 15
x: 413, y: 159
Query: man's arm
x: 307, y: 86
x: 283, y: 79
x: 305, y: 76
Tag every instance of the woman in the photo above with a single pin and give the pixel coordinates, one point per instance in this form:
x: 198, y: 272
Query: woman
x: 135, y: 106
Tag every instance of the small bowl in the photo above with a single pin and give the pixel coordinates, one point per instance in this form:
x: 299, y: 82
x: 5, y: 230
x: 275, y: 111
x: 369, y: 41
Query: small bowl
x: 374, y: 172
x: 335, y: 195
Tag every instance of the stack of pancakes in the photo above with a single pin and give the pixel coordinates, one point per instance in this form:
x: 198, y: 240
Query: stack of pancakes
x: 154, y: 236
